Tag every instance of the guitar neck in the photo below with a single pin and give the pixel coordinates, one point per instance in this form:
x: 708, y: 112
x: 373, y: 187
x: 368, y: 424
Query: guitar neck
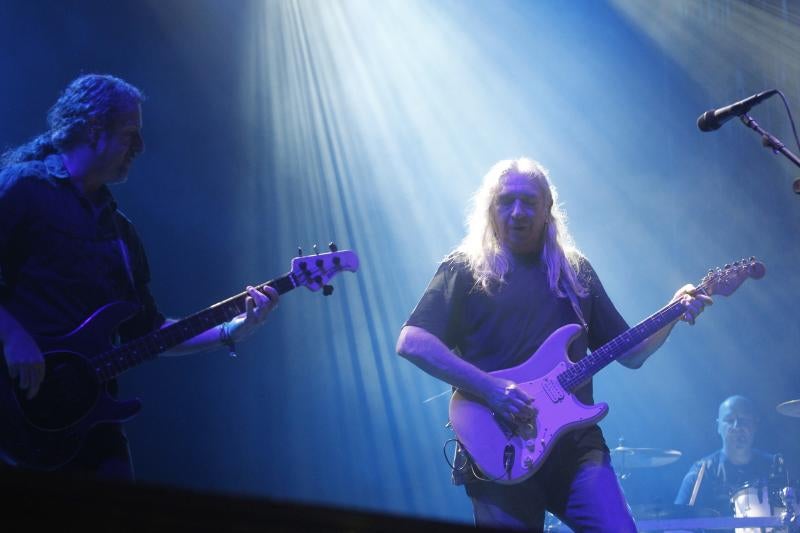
x: 723, y: 281
x: 112, y: 363
x: 583, y: 370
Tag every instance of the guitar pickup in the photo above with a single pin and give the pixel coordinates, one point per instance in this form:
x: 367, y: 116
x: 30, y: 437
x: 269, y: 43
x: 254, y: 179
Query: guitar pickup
x: 553, y: 391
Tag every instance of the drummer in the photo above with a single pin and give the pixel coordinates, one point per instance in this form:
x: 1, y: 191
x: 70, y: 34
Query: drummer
x: 725, y: 471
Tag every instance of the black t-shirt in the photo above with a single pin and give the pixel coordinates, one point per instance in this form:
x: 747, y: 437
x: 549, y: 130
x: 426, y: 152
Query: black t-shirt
x: 503, y: 329
x: 62, y: 258
x: 722, y: 479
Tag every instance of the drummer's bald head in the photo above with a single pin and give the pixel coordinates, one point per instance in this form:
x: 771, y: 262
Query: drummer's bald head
x: 739, y: 403
x: 737, y: 424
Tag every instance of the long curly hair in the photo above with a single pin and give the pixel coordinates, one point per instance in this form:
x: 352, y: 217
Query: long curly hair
x: 90, y: 101
x: 482, y: 251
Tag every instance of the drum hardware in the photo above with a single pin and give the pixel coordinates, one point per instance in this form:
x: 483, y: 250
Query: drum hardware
x: 789, y: 500
x: 669, y: 511
x: 715, y: 523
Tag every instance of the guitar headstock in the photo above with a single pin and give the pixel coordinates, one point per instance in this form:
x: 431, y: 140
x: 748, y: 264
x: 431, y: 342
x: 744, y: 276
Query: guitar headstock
x: 316, y: 270
x: 727, y: 279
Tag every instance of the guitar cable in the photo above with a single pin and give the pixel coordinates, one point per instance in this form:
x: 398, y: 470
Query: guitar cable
x: 452, y: 465
x: 468, y: 462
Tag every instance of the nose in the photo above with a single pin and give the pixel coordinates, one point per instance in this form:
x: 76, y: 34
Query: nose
x: 518, y: 209
x: 138, y: 144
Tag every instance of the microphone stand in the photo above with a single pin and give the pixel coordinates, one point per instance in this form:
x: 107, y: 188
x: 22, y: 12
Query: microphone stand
x: 770, y: 141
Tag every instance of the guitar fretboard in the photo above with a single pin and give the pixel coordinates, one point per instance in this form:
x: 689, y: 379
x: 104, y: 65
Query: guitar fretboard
x: 587, y: 367
x: 720, y: 281
x: 112, y: 363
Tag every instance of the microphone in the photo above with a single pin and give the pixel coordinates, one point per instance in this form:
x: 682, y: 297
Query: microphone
x: 713, y: 119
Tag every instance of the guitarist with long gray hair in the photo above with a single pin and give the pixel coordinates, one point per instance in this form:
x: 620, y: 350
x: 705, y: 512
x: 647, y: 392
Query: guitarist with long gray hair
x: 514, y: 280
x: 66, y: 251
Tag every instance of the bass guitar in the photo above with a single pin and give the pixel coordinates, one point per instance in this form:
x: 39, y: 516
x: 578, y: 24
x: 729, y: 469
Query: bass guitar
x: 509, y: 452
x: 48, y: 430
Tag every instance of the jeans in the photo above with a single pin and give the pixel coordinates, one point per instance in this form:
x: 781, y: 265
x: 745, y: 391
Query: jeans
x: 576, y: 485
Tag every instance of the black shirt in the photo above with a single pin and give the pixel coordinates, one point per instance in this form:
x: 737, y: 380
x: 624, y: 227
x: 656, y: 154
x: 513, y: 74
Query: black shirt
x: 62, y: 258
x: 722, y: 479
x: 503, y: 329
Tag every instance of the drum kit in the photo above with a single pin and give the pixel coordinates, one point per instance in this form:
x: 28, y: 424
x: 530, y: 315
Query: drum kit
x: 755, y: 507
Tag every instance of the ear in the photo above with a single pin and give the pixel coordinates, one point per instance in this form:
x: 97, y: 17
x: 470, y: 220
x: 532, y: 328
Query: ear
x: 93, y: 132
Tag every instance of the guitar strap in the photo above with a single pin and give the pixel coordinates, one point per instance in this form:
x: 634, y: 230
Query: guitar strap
x: 126, y: 259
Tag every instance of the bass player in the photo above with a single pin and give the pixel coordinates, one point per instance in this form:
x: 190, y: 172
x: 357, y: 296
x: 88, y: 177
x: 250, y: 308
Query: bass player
x: 65, y: 249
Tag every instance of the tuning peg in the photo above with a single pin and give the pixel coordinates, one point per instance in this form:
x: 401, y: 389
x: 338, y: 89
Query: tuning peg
x: 332, y: 247
x: 315, y: 250
x: 299, y: 251
x: 327, y: 290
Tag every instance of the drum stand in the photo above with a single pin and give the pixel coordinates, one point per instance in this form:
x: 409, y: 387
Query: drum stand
x: 789, y: 517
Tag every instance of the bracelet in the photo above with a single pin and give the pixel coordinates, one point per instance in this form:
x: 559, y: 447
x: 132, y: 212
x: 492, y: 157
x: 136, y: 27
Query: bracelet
x: 226, y: 338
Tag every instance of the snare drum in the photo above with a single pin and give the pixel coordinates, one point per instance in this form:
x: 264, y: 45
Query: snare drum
x: 756, y: 500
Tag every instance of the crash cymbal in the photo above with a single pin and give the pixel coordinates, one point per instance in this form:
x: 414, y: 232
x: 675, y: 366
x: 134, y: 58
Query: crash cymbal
x: 623, y: 458
x: 790, y: 408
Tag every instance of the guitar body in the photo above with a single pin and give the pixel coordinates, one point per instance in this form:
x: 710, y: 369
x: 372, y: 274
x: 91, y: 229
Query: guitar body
x: 510, y: 454
x: 48, y: 431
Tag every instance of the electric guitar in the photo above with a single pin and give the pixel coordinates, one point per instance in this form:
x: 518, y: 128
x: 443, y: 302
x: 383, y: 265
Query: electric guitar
x: 511, y: 452
x: 47, y: 431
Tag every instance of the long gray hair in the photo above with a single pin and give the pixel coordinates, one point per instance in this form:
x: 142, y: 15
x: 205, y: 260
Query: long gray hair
x: 489, y: 262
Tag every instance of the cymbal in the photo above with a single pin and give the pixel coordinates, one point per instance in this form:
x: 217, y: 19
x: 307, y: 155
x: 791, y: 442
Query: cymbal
x: 790, y: 408
x: 623, y: 458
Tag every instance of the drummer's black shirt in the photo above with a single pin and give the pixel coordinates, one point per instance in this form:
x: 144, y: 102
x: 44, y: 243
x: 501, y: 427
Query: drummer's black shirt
x: 722, y: 479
